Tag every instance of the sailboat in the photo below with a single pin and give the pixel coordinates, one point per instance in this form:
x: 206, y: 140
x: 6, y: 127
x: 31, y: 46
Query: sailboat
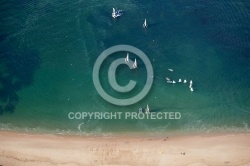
x: 135, y: 64
x: 116, y: 13
x: 147, y: 110
x: 191, y: 86
x: 127, y: 58
x: 145, y: 25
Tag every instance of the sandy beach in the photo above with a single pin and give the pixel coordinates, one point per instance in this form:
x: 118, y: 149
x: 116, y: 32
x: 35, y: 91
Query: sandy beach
x: 41, y: 150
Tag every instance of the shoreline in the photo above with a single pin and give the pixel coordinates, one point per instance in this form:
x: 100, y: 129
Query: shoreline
x: 124, y: 134
x: 192, y: 150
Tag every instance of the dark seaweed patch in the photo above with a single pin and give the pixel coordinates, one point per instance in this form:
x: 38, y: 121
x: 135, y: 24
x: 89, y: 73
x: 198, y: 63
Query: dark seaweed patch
x: 17, y: 68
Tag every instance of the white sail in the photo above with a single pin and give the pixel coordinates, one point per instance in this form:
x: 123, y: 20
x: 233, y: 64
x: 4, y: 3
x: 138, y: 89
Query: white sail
x: 191, y: 84
x: 145, y: 24
x: 135, y: 64
x: 147, y: 109
x: 113, y: 13
x: 127, y: 58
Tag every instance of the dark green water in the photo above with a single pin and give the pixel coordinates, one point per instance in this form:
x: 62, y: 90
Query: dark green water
x: 48, y: 50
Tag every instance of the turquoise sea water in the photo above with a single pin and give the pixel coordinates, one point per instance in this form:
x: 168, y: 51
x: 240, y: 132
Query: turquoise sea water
x: 48, y: 50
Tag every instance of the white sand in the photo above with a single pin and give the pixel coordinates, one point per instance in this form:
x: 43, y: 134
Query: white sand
x: 18, y: 149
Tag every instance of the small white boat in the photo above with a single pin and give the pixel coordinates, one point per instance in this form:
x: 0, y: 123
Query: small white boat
x: 185, y: 81
x: 191, y: 89
x: 168, y: 79
x: 170, y: 70
x: 179, y: 80
x: 135, y: 64
x: 116, y: 13
x: 147, y: 110
x: 169, y: 82
x: 191, y: 83
x: 127, y: 58
x: 174, y: 82
x: 145, y: 25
